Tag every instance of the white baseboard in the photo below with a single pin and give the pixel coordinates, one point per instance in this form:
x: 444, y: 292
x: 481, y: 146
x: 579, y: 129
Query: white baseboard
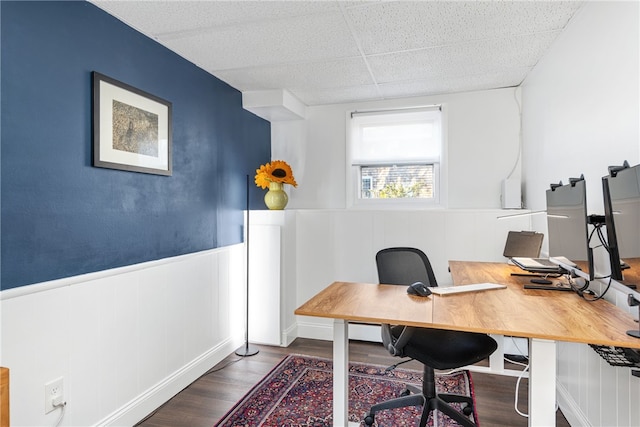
x: 570, y: 408
x: 289, y: 335
x: 369, y: 333
x: 316, y: 331
x: 142, y: 405
x: 323, y: 331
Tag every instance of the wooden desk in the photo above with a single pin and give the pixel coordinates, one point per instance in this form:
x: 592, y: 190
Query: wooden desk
x: 543, y: 316
x: 515, y: 311
x: 631, y: 275
x: 4, y: 397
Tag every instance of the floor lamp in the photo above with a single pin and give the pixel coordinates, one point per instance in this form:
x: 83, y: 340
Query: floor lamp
x: 246, y: 349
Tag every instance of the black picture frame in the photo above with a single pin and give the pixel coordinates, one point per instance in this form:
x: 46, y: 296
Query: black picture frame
x: 131, y: 128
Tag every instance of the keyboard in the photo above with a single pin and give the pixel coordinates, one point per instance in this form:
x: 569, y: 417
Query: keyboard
x: 475, y: 287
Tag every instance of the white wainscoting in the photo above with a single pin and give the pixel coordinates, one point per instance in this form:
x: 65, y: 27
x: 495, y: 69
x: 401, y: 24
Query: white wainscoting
x: 124, y: 340
x: 590, y: 391
x: 341, y: 245
x: 318, y: 247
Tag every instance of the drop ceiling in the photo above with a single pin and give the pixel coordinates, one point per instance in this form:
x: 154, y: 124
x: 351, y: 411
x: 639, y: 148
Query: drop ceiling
x: 327, y: 52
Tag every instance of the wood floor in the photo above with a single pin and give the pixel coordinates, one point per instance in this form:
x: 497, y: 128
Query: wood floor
x: 209, y: 398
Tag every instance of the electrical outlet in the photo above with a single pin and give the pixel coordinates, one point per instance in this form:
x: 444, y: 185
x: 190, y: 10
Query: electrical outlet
x: 53, y: 393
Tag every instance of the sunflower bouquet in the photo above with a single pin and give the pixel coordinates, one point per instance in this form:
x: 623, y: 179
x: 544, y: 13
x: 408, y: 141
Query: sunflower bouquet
x: 277, y: 171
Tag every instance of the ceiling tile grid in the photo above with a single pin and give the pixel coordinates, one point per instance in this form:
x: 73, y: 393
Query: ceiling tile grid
x: 328, y: 52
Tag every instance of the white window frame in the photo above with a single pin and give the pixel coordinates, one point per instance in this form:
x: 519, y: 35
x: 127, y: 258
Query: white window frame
x: 353, y: 177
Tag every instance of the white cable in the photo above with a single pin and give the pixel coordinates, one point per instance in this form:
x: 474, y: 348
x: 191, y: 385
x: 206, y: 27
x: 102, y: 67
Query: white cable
x: 515, y: 405
x: 451, y: 372
x: 62, y: 407
x: 515, y: 165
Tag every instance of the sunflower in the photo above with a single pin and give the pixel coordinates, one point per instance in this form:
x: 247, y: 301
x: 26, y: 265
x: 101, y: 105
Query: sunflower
x: 261, y: 176
x: 276, y: 171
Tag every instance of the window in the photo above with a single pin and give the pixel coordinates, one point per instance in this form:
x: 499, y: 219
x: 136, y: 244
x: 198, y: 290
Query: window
x: 395, y: 155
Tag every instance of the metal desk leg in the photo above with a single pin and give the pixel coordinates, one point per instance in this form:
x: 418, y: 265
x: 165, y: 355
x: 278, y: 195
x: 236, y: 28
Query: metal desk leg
x: 496, y: 359
x: 340, y: 372
x: 542, y: 383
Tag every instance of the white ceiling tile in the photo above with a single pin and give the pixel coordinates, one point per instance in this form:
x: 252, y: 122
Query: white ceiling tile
x: 326, y: 74
x: 453, y: 84
x: 149, y: 16
x: 465, y: 58
x: 405, y: 25
x: 268, y: 42
x: 337, y: 95
x: 161, y: 17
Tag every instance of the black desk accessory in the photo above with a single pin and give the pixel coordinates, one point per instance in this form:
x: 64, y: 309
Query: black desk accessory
x: 632, y: 301
x: 419, y: 289
x: 547, y: 287
x: 536, y: 275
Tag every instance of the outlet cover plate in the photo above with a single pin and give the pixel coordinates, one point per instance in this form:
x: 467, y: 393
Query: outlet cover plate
x: 52, y: 390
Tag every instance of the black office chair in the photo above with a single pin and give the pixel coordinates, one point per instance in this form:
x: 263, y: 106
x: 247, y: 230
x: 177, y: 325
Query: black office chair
x: 435, y: 348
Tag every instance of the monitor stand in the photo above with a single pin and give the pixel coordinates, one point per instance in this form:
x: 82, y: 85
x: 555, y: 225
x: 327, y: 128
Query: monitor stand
x: 632, y: 301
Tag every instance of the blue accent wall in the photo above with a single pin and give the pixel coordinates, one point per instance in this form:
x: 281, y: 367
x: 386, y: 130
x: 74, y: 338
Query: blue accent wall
x: 63, y: 217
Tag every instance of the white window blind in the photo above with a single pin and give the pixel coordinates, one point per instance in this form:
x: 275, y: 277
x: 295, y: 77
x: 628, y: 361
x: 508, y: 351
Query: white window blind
x: 396, y: 137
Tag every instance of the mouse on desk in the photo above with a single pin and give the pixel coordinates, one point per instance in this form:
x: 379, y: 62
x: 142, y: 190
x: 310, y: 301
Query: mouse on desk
x: 419, y: 289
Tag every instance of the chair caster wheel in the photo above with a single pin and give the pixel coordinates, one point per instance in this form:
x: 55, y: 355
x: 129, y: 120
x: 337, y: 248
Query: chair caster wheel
x: 467, y: 410
x: 406, y: 392
x: 368, y: 420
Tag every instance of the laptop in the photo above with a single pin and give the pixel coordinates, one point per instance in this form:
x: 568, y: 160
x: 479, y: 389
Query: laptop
x: 536, y: 265
x: 523, y: 249
x: 523, y: 244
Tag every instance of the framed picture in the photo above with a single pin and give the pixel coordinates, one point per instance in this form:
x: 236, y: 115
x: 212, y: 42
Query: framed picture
x: 131, y: 128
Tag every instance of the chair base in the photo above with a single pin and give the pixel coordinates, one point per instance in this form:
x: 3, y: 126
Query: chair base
x: 430, y: 401
x: 435, y: 403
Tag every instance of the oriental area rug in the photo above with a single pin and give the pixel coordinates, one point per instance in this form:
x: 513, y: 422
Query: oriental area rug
x: 298, y: 392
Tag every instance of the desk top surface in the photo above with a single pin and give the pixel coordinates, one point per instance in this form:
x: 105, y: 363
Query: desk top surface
x: 515, y: 311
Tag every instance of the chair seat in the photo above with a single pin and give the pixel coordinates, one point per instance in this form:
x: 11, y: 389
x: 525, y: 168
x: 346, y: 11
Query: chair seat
x: 443, y: 349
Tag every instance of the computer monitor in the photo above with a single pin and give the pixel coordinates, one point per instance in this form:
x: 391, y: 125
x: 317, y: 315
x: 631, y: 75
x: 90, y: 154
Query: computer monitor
x: 621, y: 192
x: 568, y: 228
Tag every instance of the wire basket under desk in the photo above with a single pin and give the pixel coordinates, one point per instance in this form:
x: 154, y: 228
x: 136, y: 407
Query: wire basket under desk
x: 618, y: 356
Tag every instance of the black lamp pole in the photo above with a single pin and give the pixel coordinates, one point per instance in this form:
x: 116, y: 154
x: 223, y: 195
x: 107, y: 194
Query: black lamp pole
x: 246, y: 349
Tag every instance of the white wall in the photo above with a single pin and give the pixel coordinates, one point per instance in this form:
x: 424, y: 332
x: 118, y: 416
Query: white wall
x: 325, y: 241
x: 581, y: 114
x: 124, y: 340
x: 483, y: 148
x: 340, y: 245
x: 580, y: 103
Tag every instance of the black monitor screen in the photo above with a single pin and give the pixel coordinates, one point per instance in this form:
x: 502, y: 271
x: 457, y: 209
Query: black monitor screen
x: 567, y: 224
x: 621, y: 192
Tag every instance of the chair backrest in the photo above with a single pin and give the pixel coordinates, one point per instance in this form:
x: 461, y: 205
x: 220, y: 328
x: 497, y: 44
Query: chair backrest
x: 404, y: 266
